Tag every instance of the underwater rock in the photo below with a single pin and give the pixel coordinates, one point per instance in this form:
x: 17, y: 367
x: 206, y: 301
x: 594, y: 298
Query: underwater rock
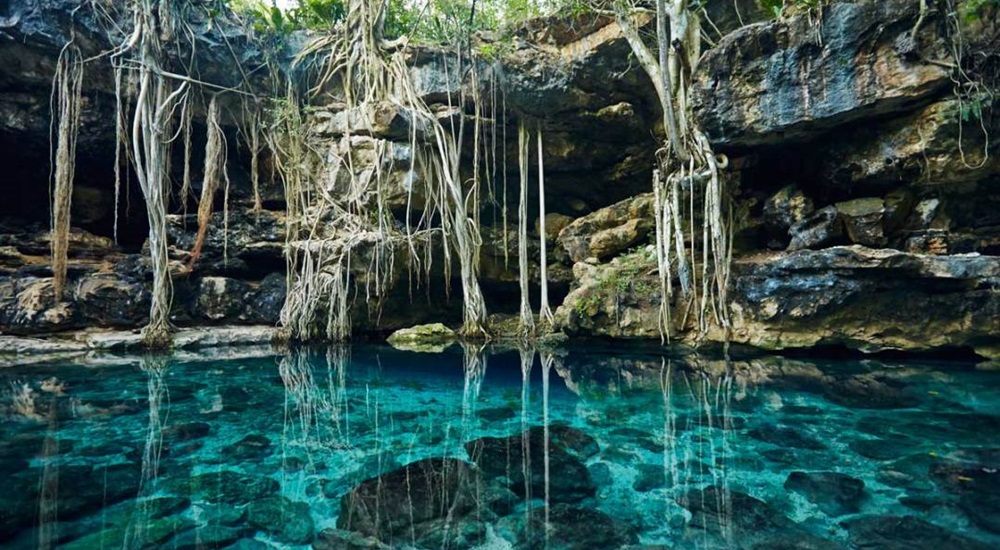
x: 336, y: 539
x: 208, y: 536
x: 784, y: 436
x: 221, y: 514
x: 720, y: 511
x: 868, y: 391
x: 957, y: 477
x: 151, y: 535
x: 983, y: 509
x: 223, y: 487
x: 572, y: 439
x: 373, y: 466
x: 519, y: 456
x: 433, y: 338
x: 600, y: 474
x: 905, y: 533
x: 797, y: 541
x: 282, y: 519
x: 649, y: 477
x: 881, y: 449
x: 186, y: 432
x: 251, y: 447
x: 406, y: 502
x: 836, y: 494
x: 496, y: 414
x: 568, y: 528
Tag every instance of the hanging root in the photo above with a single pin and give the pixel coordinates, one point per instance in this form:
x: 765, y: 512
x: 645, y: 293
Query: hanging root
x: 215, y: 167
x: 527, y: 320
x: 155, y: 104
x: 320, y: 252
x: 65, y: 102
x: 545, y: 311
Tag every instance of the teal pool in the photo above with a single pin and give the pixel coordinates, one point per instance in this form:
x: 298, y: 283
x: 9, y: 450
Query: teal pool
x: 369, y: 447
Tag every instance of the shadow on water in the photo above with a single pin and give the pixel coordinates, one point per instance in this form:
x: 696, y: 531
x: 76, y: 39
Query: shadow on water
x: 368, y: 447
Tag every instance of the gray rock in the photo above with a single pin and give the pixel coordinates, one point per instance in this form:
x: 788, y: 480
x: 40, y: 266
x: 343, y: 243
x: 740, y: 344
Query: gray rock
x: 820, y: 230
x: 905, y: 533
x: 407, y: 502
x: 609, y: 231
x: 282, y: 519
x: 568, y: 527
x: 787, y: 207
x: 817, y: 76
x: 836, y: 494
x: 864, y: 220
x: 568, y: 481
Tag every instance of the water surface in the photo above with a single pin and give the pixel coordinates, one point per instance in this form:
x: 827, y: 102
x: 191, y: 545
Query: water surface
x: 370, y: 447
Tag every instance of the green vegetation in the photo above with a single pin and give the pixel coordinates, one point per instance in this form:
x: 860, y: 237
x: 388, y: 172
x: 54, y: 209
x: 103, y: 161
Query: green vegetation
x: 975, y: 10
x: 631, y: 273
x: 427, y: 21
x: 780, y: 8
x: 311, y: 14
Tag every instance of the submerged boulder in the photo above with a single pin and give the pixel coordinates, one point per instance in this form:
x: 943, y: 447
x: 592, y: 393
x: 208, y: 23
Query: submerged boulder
x: 836, y: 494
x: 410, y: 502
x: 521, y: 461
x: 905, y: 533
x: 567, y: 528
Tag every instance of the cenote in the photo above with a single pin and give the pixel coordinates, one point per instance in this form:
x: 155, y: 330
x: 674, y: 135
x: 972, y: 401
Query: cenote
x: 372, y: 447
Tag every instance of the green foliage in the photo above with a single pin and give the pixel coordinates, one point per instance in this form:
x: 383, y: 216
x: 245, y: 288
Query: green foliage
x: 429, y: 21
x: 974, y: 10
x: 781, y: 8
x: 629, y: 275
x: 311, y: 14
x: 973, y: 107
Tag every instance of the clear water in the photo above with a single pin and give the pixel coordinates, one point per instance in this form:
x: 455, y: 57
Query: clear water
x: 591, y: 449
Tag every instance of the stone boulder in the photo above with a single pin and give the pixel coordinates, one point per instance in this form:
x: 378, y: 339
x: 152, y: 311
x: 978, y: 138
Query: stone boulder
x: 821, y: 229
x: 520, y: 460
x: 619, y: 299
x: 785, y: 208
x: 433, y: 338
x: 28, y: 305
x: 881, y: 300
x: 411, y: 502
x: 732, y: 515
x: 609, y: 231
x: 567, y: 528
x: 905, y: 533
x: 864, y: 221
x: 938, y: 144
x: 834, y: 493
x: 856, y: 62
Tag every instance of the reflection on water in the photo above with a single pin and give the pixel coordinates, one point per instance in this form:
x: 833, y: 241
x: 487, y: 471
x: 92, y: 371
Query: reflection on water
x: 374, y: 448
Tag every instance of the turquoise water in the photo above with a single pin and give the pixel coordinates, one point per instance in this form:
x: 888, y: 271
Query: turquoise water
x: 375, y: 448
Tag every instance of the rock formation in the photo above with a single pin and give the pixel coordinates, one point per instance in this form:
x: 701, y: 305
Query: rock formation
x: 867, y: 195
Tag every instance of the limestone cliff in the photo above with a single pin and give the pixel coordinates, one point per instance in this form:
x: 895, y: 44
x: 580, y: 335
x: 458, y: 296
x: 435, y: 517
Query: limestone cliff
x: 867, y: 195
